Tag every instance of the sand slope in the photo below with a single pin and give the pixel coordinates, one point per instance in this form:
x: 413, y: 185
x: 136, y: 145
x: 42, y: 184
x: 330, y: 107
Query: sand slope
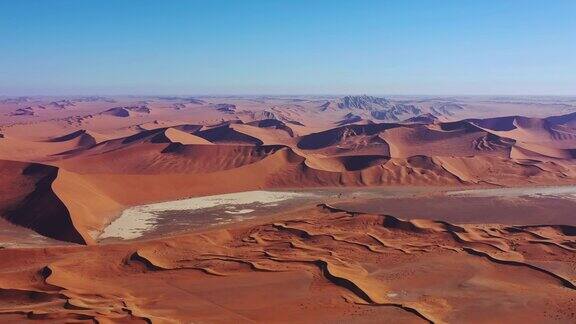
x: 32, y: 202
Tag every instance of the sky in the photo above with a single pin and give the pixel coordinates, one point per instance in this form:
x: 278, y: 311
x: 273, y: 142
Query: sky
x: 219, y: 47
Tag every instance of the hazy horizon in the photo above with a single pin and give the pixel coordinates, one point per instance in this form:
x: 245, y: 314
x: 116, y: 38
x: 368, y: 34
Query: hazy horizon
x: 217, y: 48
x: 292, y: 95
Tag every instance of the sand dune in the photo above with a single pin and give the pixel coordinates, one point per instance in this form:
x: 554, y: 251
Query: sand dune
x: 187, y: 160
x: 26, y: 150
x: 81, y: 138
x: 352, y: 261
x: 117, y: 112
x: 335, y: 136
x: 346, y: 163
x: 33, y: 203
x: 70, y: 171
x: 209, y: 169
x: 416, y: 140
x: 178, y: 136
x: 226, y: 134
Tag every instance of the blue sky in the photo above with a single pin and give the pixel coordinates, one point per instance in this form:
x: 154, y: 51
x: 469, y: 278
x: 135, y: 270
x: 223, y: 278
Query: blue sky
x: 287, y: 47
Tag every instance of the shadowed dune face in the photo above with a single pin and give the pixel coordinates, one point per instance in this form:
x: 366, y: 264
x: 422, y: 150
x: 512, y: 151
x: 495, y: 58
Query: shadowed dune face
x: 346, y: 163
x: 84, y: 138
x: 337, y: 135
x: 228, y: 135
x: 32, y: 202
x: 363, y: 266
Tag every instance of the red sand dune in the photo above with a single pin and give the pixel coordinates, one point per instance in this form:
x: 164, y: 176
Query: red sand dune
x: 327, y: 266
x: 67, y: 173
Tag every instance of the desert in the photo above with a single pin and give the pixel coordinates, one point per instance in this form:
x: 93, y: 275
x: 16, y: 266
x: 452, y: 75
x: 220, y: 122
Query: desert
x: 287, y: 210
x: 287, y: 161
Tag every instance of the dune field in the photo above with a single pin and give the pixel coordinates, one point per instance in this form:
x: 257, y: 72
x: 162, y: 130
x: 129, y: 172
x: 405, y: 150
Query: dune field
x: 287, y: 209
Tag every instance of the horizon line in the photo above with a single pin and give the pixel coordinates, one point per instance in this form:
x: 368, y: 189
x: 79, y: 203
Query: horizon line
x: 280, y: 95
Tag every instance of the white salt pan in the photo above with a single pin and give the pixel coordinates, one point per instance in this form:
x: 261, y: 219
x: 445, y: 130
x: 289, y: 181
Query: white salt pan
x: 135, y: 221
x: 237, y: 212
